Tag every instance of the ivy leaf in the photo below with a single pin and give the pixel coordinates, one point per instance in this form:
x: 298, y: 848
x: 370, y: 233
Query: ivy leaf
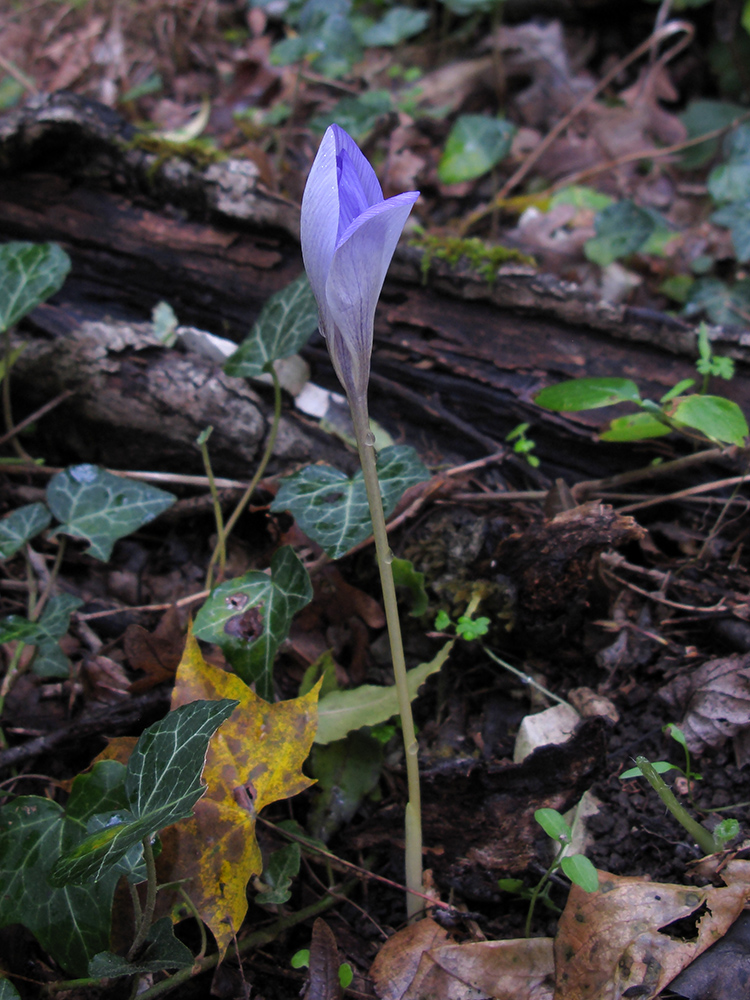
x: 282, y: 868
x: 162, y: 784
x: 736, y: 218
x: 8, y: 990
x: 587, y: 394
x: 21, y: 526
x: 475, y: 145
x: 342, y: 711
x: 621, y: 229
x: 346, y: 771
x: 288, y: 320
x: 250, y: 617
x: 71, y: 923
x: 398, y: 24
x: 100, y: 507
x: 357, y: 115
x: 50, y: 661
x: 162, y: 951
x: 332, y: 509
x: 29, y: 274
x: 722, y: 303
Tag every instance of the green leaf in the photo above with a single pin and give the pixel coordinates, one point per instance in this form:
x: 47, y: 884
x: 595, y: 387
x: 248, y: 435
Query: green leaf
x: 50, y: 661
x: 581, y: 197
x: 722, y: 303
x: 162, y: 951
x: 580, y: 871
x: 300, y: 959
x: 398, y: 24
x: 21, y: 526
x: 8, y: 990
x: 404, y: 575
x: 725, y: 831
x: 286, y: 323
x: 162, y: 784
x: 342, y: 711
x: 465, y: 8
x: 476, y: 144
x: 346, y: 975
x: 553, y: 825
x: 621, y: 229
x: 587, y: 394
x: 635, y: 427
x: 250, y: 617
x: 282, y: 868
x: 71, y: 923
x: 510, y: 884
x: 29, y: 274
x: 357, y: 115
x: 346, y: 772
x: 736, y: 217
x: 718, y: 418
x: 333, y: 510
x: 100, y: 507
x: 676, y: 733
x: 660, y: 766
x: 472, y: 628
x: 701, y: 117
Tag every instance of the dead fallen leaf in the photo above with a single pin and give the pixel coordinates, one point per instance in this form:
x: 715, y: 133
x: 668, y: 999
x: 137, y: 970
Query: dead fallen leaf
x: 104, y: 679
x: 256, y: 759
x: 612, y: 943
x: 421, y: 962
x: 722, y: 971
x: 715, y: 699
x: 324, y: 964
x: 156, y: 653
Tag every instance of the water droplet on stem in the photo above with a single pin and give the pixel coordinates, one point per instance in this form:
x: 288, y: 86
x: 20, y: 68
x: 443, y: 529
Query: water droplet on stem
x: 389, y: 556
x: 370, y: 439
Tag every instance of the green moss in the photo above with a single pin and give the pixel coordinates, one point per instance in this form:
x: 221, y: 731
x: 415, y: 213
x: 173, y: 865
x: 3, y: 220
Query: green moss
x: 200, y: 152
x: 481, y: 257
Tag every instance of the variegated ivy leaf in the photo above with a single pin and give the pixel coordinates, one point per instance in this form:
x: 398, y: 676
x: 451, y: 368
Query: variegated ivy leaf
x: 21, y: 526
x: 29, y: 274
x: 71, y: 923
x: 100, y: 507
x: 250, y: 617
x: 332, y: 509
x: 49, y: 661
x: 162, y: 784
x: 288, y: 320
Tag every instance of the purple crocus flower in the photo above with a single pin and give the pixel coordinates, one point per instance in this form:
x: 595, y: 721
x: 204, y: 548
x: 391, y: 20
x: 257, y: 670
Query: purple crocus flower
x: 349, y: 233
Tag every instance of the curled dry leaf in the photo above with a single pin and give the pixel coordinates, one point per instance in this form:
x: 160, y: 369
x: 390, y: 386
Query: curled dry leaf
x: 324, y: 964
x: 421, y: 961
x: 612, y: 943
x: 715, y: 700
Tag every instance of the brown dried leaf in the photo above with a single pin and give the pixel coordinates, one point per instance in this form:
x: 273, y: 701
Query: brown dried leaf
x: 715, y: 700
x: 422, y: 962
x: 104, y: 679
x: 611, y: 943
x: 324, y: 964
x: 156, y: 653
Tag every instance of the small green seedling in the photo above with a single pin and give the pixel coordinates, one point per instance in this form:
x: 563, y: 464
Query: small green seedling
x: 523, y: 445
x: 466, y: 627
x: 696, y: 415
x: 577, y: 867
x: 301, y: 960
x: 709, y: 843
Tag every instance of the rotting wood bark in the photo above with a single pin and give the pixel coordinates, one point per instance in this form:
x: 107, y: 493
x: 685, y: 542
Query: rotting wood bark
x: 215, y: 244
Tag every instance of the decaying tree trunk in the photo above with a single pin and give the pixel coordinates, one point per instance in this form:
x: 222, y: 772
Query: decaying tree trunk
x: 457, y: 359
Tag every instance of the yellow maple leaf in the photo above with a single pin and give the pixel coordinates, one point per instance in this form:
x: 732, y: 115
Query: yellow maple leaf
x: 255, y: 759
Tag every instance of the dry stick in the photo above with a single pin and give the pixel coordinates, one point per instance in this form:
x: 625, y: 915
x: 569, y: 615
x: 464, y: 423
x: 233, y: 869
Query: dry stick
x: 362, y: 873
x: 35, y: 416
x: 682, y: 494
x: 649, y: 154
x: 515, y: 179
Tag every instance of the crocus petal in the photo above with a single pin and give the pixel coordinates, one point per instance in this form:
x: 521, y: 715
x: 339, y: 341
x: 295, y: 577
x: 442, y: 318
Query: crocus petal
x: 319, y: 218
x: 366, y: 175
x: 355, y: 280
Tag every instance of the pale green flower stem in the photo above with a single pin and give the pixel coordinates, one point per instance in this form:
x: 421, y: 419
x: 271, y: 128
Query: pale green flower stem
x: 365, y: 445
